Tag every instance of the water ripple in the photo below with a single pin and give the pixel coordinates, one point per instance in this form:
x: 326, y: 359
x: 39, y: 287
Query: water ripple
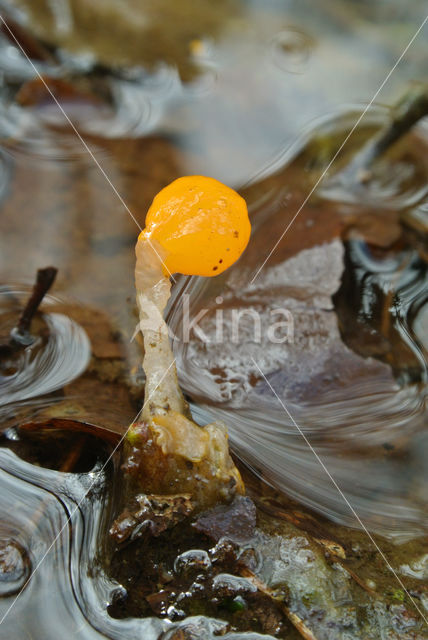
x: 44, y: 367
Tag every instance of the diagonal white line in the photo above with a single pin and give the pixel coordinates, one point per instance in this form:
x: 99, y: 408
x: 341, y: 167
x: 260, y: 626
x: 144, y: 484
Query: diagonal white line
x: 351, y: 508
x: 84, y: 497
x: 340, y: 148
x: 85, y: 145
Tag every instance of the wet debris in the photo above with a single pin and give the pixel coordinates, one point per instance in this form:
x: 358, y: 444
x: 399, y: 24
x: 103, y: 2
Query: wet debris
x: 235, y: 521
x: 153, y: 514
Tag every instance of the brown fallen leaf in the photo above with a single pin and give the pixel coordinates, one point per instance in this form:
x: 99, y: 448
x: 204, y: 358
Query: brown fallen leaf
x: 64, y: 424
x: 34, y: 92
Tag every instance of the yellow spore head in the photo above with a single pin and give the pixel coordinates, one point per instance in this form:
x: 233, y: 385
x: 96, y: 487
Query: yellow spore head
x: 201, y: 224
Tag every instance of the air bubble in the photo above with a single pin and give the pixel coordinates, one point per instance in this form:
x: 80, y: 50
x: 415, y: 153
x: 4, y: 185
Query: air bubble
x: 291, y: 49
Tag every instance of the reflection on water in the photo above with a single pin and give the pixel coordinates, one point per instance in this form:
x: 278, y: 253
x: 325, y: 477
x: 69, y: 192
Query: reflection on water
x: 60, y: 595
x: 261, y: 81
x: 35, y: 506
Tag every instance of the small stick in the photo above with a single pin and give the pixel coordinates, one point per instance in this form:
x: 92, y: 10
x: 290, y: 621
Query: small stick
x: 20, y: 336
x: 411, y: 108
x: 18, y: 34
x: 66, y: 467
x: 73, y: 455
x: 295, y: 620
x: 44, y: 281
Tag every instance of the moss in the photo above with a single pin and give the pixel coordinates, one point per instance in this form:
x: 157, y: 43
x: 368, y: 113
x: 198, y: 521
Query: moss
x: 397, y: 594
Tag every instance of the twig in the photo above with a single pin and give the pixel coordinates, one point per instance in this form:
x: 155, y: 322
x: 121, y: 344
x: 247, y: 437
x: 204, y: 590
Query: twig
x: 73, y: 455
x: 295, y: 620
x: 20, y: 335
x: 66, y: 467
x: 44, y: 281
x: 411, y: 108
x: 32, y: 47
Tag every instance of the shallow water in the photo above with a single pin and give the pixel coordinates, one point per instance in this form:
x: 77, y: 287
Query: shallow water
x: 347, y: 362
x: 260, y: 95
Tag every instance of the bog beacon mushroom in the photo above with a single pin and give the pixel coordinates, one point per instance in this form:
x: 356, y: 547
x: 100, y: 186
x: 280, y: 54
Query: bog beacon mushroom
x: 195, y: 226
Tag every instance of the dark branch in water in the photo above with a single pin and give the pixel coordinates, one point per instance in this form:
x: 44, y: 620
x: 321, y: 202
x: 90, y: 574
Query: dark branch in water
x: 411, y: 108
x: 18, y: 34
x: 44, y: 281
x: 20, y: 335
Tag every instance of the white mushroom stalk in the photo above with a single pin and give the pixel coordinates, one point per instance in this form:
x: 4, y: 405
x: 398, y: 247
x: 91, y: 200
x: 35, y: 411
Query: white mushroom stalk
x: 165, y: 410
x: 153, y: 288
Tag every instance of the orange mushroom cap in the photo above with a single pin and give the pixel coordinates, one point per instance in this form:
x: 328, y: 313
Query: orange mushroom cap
x: 201, y: 224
